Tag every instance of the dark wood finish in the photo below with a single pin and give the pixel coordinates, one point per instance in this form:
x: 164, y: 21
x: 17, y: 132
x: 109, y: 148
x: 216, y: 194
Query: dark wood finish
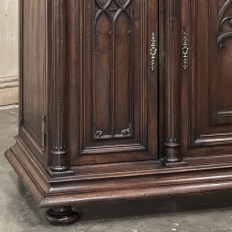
x: 206, y: 94
x: 123, y: 99
x: 60, y: 162
x: 62, y: 215
x: 172, y: 81
x: 120, y: 86
x: 33, y: 68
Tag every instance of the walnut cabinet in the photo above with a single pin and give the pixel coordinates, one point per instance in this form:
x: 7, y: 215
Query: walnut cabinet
x: 123, y: 99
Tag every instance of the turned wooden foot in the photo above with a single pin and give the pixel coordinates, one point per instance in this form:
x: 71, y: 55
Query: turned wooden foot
x: 62, y: 215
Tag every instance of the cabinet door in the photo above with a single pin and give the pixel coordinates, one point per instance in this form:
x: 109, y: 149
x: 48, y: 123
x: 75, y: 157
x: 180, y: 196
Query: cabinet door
x: 114, y: 115
x: 209, y: 82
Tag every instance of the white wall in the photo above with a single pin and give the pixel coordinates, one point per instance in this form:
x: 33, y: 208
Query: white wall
x: 8, y: 52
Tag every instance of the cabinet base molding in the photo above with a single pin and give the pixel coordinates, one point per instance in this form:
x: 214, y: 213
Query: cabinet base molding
x: 173, y: 164
x: 60, y: 174
x: 92, y: 184
x: 96, y: 114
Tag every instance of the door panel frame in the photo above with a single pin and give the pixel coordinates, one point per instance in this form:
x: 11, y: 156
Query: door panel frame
x: 82, y: 153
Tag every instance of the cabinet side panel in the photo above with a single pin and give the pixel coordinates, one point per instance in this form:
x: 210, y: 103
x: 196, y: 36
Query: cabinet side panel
x: 33, y: 66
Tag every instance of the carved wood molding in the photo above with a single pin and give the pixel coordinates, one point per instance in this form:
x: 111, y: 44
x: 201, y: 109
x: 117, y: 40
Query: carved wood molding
x: 172, y: 80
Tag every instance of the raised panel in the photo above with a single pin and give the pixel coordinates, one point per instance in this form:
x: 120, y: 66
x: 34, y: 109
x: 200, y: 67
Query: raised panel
x: 115, y: 104
x: 113, y: 56
x: 101, y: 80
x: 220, y: 62
x: 123, y: 75
x: 207, y: 89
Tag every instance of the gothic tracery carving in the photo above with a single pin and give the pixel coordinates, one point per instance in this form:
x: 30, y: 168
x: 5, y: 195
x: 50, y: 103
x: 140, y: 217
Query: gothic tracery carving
x: 223, y: 19
x: 109, y: 12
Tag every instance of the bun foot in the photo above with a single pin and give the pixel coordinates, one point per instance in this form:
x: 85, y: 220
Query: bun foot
x: 62, y: 215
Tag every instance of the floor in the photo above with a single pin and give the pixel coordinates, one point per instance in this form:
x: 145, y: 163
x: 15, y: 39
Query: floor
x: 200, y: 213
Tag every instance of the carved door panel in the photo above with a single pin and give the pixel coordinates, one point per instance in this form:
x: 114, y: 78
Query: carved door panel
x: 210, y: 83
x: 117, y: 105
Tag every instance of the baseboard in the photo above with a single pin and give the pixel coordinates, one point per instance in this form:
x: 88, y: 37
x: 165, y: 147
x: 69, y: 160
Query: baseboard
x: 9, y: 90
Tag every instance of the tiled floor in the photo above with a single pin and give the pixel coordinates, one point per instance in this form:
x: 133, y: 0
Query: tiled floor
x: 200, y: 213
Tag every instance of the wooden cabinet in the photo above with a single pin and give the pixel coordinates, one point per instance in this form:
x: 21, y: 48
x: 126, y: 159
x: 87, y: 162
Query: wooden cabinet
x: 123, y: 99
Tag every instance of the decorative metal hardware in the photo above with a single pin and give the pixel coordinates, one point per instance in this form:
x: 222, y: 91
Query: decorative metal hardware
x: 153, y: 51
x: 44, y: 131
x: 185, y: 51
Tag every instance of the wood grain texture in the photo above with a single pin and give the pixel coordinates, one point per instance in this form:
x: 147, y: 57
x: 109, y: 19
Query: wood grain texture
x: 59, y: 103
x: 114, y: 96
x: 205, y: 84
x: 119, y: 181
x: 172, y: 81
x: 108, y: 77
x: 33, y: 73
x: 34, y: 65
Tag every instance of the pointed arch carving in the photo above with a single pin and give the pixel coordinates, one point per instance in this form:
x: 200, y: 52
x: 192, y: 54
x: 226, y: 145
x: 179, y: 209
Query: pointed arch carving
x: 113, y: 29
x: 223, y: 19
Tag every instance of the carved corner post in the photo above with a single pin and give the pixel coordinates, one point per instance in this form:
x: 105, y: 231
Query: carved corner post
x: 172, y: 81
x: 61, y: 215
x: 59, y: 152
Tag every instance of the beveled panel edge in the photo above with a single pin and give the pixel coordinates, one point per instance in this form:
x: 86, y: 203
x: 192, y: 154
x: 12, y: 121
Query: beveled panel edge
x: 197, y: 138
x: 31, y: 142
x: 113, y: 148
x: 213, y: 139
